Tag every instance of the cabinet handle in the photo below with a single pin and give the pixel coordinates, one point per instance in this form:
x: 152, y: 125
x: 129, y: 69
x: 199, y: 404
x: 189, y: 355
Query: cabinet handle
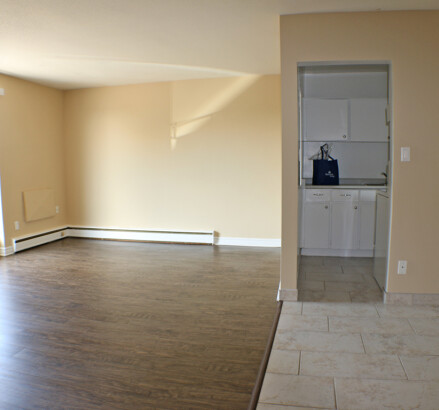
x: 318, y: 194
x: 355, y: 207
x: 345, y: 194
x: 326, y: 206
x: 344, y: 136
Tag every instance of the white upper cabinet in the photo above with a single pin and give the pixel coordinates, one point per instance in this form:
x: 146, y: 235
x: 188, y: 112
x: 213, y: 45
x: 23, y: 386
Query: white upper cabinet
x: 368, y: 120
x: 325, y: 119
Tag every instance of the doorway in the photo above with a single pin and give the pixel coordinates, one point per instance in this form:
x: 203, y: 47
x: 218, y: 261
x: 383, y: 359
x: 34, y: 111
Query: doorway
x: 344, y: 114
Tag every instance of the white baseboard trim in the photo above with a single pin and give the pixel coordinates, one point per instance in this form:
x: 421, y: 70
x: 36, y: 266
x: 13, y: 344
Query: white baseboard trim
x: 6, y: 250
x: 354, y: 253
x: 40, y: 238
x: 202, y: 237
x: 261, y: 242
x: 188, y: 237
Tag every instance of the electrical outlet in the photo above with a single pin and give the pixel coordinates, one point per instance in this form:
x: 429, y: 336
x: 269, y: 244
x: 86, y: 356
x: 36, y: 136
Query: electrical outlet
x: 402, y: 267
x: 57, y: 209
x: 17, y: 225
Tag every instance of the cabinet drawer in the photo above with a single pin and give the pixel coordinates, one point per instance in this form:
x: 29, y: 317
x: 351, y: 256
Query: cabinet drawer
x: 317, y: 195
x: 344, y: 195
x: 368, y: 195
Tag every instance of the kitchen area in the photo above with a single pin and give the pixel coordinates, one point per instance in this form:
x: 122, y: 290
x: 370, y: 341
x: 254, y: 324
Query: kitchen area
x: 345, y: 115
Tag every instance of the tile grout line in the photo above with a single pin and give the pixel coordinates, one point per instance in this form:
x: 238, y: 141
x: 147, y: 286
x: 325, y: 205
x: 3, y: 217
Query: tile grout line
x: 410, y: 324
x: 403, y: 368
x: 362, y: 341
x: 378, y: 312
x: 335, y: 392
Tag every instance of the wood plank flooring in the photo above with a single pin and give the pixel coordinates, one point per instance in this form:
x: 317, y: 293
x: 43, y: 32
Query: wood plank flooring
x: 97, y: 324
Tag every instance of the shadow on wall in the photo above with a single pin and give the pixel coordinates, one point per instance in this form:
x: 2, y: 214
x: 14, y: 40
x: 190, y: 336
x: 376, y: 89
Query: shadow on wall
x: 189, y: 117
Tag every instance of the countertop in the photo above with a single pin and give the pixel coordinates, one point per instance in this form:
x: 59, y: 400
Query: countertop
x: 374, y: 187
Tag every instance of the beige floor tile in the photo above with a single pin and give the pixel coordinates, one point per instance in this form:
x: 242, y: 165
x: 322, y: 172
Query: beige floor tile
x: 408, y: 311
x: 364, y: 394
x: 318, y: 341
x: 370, y: 325
x: 367, y: 296
x: 323, y: 269
x: 351, y: 365
x: 333, y: 260
x: 298, y: 391
x: 421, y: 367
x: 262, y: 406
x: 356, y: 261
x: 312, y: 260
x: 334, y: 276
x: 298, y: 322
x: 284, y: 361
x: 401, y: 344
x: 369, y: 279
x: 339, y: 309
x: 311, y: 285
x: 357, y: 269
x: 292, y: 308
x: 351, y: 286
x: 427, y: 327
x: 324, y: 296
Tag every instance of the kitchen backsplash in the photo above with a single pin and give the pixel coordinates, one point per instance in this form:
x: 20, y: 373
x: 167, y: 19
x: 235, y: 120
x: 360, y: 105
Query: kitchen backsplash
x: 356, y: 160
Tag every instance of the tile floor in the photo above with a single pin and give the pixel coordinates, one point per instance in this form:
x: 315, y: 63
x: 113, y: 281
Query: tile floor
x: 340, y: 347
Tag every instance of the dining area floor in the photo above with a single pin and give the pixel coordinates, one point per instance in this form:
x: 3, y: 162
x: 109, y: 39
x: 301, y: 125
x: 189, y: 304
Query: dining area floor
x: 87, y: 324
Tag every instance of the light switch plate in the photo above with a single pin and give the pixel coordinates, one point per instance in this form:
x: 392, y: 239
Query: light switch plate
x: 2, y: 91
x: 405, y: 154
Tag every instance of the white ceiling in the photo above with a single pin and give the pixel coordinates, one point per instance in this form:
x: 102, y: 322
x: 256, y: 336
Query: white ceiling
x: 87, y: 43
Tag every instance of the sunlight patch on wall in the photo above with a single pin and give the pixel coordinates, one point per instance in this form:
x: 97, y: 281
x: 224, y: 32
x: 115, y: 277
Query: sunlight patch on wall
x: 188, y: 115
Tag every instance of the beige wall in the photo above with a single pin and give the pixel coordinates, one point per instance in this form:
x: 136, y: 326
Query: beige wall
x: 410, y: 41
x: 31, y: 152
x: 223, y: 173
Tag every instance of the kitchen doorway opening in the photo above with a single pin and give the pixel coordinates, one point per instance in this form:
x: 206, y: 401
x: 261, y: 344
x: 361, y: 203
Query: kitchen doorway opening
x: 345, y: 180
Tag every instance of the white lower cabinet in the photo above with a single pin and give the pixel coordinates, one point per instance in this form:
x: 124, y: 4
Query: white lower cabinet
x: 316, y: 220
x: 337, y: 219
x: 344, y: 225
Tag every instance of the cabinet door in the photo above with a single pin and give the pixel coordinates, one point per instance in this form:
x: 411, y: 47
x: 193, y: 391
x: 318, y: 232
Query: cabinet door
x: 344, y: 225
x: 325, y: 120
x: 368, y: 120
x: 367, y: 225
x: 316, y: 218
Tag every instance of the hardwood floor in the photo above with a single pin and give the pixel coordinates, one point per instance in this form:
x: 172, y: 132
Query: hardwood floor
x: 96, y: 324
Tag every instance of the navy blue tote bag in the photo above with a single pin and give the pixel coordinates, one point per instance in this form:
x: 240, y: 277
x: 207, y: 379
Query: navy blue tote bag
x: 325, y: 172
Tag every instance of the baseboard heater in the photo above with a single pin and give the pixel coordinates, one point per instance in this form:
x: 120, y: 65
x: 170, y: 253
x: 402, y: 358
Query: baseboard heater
x: 26, y: 242
x: 189, y: 237
x: 164, y: 236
